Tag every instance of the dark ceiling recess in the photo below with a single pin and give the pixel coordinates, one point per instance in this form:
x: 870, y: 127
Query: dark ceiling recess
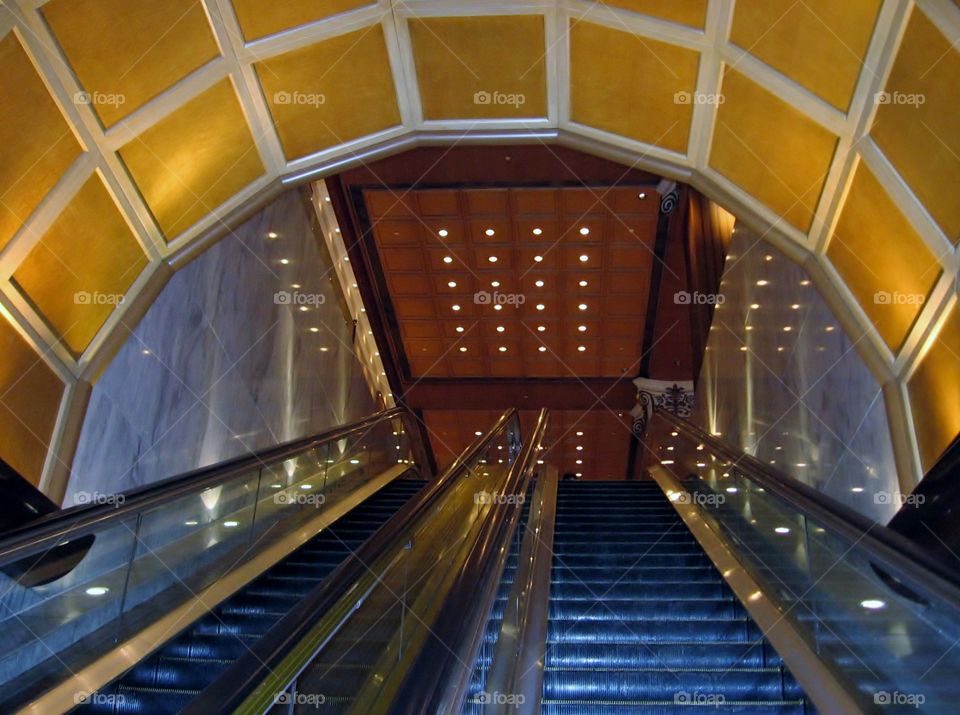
x: 522, y: 276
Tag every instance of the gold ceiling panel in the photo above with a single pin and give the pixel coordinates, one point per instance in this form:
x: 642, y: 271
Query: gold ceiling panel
x: 933, y: 393
x: 481, y: 67
x: 30, y: 394
x: 331, y: 92
x: 882, y: 258
x: 81, y: 269
x: 124, y: 53
x: 918, y: 129
x: 631, y: 85
x: 687, y: 12
x: 259, y: 19
x: 194, y: 159
x: 820, y: 44
x: 770, y: 149
x: 31, y: 122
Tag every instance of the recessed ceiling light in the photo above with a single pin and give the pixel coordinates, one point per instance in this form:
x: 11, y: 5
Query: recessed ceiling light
x: 541, y: 328
x: 314, y: 330
x: 787, y: 328
x: 542, y: 349
x: 830, y: 328
x: 443, y: 233
x: 579, y: 474
x: 463, y: 349
x: 478, y: 433
x: 582, y: 328
x: 540, y: 306
x: 583, y: 284
x: 768, y: 257
x: 304, y: 309
x: 795, y: 306
x: 489, y: 232
x: 579, y: 434
x: 749, y: 327
x: 754, y: 306
x: 782, y: 530
x: 582, y: 348
x: 857, y: 490
x: 498, y: 307
x: 447, y: 259
x: 642, y: 195
x: 500, y: 328
x: 537, y: 231
x: 539, y: 284
x: 297, y: 285
x: 582, y: 306
x: 743, y: 348
x: 231, y: 524
x: 762, y: 283
x: 584, y: 231
x: 324, y: 350
x: 872, y: 604
x: 492, y: 259
x: 459, y: 328
x: 579, y: 447
x: 452, y: 284
x: 97, y: 591
x: 495, y: 284
x: 284, y: 261
x: 780, y: 349
x: 579, y: 461
x: 538, y: 258
x: 272, y: 234
x: 502, y: 348
x: 584, y: 258
x: 805, y: 282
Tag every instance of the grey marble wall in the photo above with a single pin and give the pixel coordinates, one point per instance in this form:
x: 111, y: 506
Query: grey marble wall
x: 782, y: 381
x: 219, y: 367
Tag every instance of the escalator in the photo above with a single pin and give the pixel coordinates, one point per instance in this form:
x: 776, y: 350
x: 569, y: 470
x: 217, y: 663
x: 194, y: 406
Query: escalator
x: 167, y: 680
x: 641, y: 621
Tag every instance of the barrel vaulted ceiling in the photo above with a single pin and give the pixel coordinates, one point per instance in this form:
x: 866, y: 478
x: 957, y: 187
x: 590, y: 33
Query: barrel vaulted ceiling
x: 133, y: 133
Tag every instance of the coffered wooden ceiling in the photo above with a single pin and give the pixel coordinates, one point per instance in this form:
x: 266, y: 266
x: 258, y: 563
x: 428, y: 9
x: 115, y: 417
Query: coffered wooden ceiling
x: 522, y: 282
x: 767, y: 106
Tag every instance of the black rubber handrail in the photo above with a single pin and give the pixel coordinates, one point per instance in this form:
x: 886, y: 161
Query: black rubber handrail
x: 76, y: 521
x: 894, y: 553
x: 232, y: 687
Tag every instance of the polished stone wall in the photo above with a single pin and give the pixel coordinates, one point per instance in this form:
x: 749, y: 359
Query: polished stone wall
x: 223, y: 363
x: 782, y: 380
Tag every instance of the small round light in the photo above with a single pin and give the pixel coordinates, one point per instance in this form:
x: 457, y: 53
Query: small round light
x: 582, y: 348
x: 873, y: 604
x: 642, y: 195
x: 582, y: 328
x: 498, y: 307
x: 579, y: 448
x: 463, y: 349
x: 314, y: 330
x: 541, y: 328
x: 97, y: 591
x: 537, y: 231
x: 782, y: 530
x: 731, y: 490
x: 584, y: 258
x: 272, y: 234
x: 494, y: 284
x: 459, y: 328
x: 540, y: 306
x: 754, y: 306
x: 580, y: 434
x: 502, y: 348
x: 542, y: 349
x: 582, y: 306
x: 478, y: 433
x: 539, y: 284
x: 451, y: 284
x: 194, y: 522
x: 787, y: 328
x: 538, y: 259
x: 763, y: 283
x: 231, y: 524
x: 500, y: 328
x: 583, y: 284
x: 455, y: 307
x: 584, y: 231
x: 492, y: 259
x: 443, y: 233
x: 284, y: 261
x: 857, y: 490
x: 306, y: 487
x: 447, y: 259
x: 490, y: 232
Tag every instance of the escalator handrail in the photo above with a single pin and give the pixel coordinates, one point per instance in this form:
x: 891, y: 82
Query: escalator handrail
x: 436, y: 680
x: 897, y: 555
x: 239, y: 680
x: 75, y: 521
